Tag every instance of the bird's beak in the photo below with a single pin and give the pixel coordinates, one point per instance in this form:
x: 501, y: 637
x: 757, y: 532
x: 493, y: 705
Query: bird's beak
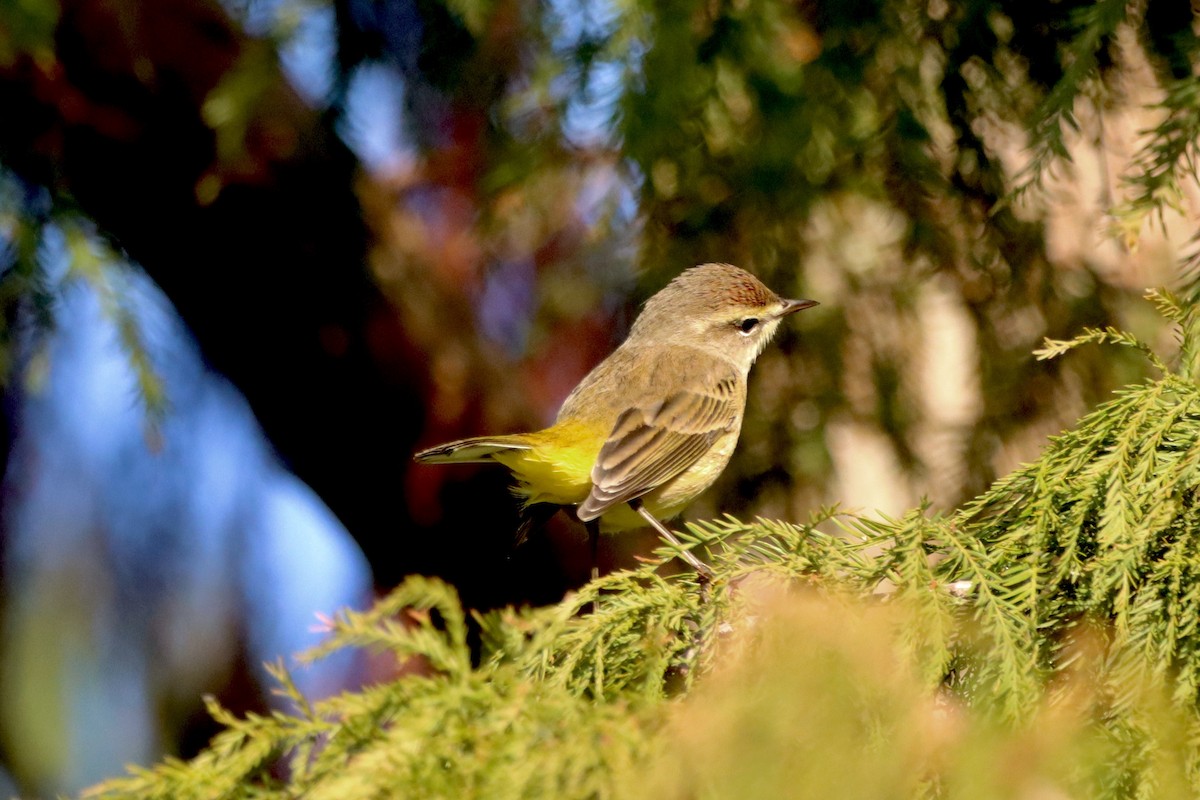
x: 792, y: 306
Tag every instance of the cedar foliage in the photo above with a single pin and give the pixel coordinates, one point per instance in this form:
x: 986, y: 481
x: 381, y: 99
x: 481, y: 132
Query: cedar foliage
x: 1051, y: 620
x: 1050, y: 623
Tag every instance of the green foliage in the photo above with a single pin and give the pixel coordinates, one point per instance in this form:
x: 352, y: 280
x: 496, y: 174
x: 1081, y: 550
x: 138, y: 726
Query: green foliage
x: 1052, y: 620
x: 27, y: 26
x: 1167, y: 159
x: 99, y: 267
x: 28, y: 296
x: 1095, y: 27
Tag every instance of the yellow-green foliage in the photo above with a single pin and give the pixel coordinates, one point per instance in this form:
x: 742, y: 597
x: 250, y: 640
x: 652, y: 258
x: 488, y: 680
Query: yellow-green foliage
x: 1041, y: 642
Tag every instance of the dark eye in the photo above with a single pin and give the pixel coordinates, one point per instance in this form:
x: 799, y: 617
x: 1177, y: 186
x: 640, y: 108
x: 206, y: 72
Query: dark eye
x: 747, y: 325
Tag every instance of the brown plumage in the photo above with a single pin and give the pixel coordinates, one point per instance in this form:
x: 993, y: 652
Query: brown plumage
x: 655, y: 423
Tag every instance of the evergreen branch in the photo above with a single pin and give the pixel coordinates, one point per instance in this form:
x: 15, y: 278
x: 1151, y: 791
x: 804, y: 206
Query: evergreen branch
x: 1053, y: 348
x: 1171, y: 305
x: 402, y: 623
x: 1168, y: 156
x: 1189, y: 268
x: 1095, y: 25
x: 934, y: 601
x: 109, y: 281
x: 1011, y: 678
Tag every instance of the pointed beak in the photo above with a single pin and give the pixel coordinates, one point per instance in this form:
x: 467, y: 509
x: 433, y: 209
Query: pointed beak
x: 792, y: 306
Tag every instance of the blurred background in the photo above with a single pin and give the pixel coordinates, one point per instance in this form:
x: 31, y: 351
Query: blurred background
x: 255, y: 253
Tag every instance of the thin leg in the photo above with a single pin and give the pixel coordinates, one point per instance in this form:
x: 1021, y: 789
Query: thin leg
x: 593, y: 529
x: 701, y: 568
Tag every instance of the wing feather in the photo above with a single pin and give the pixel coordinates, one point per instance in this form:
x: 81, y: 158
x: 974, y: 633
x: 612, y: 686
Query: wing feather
x: 650, y: 445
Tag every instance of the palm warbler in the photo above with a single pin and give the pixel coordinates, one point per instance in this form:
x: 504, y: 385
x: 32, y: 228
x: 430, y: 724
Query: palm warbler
x: 655, y: 423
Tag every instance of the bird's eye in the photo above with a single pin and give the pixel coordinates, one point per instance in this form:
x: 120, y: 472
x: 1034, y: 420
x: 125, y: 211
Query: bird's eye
x: 748, y: 325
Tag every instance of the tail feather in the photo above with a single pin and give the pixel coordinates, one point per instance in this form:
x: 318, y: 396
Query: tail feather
x: 477, y: 449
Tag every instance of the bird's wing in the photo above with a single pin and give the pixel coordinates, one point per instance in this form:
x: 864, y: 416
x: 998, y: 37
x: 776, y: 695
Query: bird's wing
x: 650, y: 445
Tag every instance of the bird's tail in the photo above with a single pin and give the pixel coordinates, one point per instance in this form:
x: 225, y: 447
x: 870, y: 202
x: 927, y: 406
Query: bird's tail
x: 474, y: 450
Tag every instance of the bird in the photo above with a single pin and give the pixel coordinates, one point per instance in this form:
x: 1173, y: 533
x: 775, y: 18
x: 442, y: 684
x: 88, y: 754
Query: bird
x: 652, y: 425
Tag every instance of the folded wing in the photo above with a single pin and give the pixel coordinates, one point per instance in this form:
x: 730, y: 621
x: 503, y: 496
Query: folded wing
x: 651, y: 445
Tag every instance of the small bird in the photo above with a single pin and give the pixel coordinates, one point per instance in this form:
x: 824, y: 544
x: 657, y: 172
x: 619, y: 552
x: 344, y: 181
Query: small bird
x: 655, y: 423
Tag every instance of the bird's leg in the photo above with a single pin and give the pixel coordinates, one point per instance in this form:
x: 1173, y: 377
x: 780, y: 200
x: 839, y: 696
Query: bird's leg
x: 593, y: 529
x: 702, y: 569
